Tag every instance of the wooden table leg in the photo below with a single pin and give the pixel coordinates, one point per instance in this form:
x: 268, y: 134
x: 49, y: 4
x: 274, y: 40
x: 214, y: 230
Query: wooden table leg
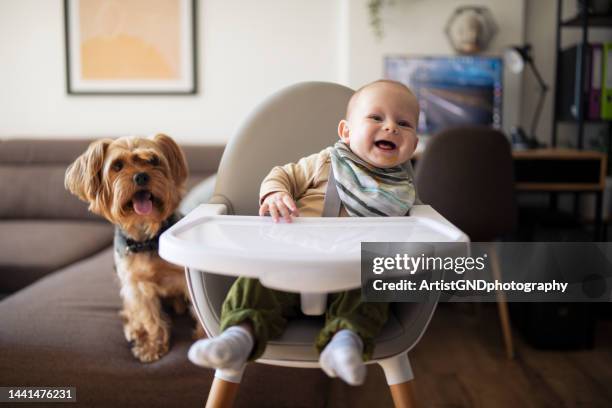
x: 222, y: 394
x: 403, y: 395
x: 598, y: 226
x: 502, y: 306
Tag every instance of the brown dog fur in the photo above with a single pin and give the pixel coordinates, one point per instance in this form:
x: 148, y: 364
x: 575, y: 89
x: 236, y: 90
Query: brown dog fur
x: 104, y: 176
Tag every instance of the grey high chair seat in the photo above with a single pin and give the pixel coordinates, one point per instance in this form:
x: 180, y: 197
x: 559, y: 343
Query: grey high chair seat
x: 295, y: 122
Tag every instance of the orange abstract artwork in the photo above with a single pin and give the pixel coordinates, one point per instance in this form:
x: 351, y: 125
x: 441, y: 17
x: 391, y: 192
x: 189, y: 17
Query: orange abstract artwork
x: 129, y: 39
x: 130, y: 46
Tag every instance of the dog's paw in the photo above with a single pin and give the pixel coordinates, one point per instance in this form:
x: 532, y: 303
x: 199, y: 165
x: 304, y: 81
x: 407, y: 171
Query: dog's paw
x: 150, y: 349
x: 179, y: 305
x: 198, y: 332
x: 145, y: 346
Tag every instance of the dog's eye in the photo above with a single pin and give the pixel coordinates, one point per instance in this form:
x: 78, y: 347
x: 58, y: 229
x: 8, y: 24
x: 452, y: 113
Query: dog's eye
x: 117, y: 165
x: 154, y: 161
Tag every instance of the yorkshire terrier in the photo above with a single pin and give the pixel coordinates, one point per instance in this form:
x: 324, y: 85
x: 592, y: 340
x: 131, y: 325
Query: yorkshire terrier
x: 136, y: 184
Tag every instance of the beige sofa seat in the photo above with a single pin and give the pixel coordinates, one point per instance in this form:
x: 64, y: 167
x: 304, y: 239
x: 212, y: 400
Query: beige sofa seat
x: 33, y: 248
x: 64, y: 330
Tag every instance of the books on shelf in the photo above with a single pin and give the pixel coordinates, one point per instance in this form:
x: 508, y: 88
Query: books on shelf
x: 594, y: 111
x: 596, y: 88
x: 606, y: 87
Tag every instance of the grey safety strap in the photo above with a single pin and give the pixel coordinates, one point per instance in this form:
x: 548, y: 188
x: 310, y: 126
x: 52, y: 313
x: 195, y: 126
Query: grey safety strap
x: 332, y: 203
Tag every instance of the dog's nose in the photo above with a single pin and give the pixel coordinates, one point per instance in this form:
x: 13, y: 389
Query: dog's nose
x: 141, y: 179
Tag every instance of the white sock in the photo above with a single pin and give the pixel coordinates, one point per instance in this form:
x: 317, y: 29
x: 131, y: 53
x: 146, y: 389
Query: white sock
x: 230, y: 350
x: 342, y: 358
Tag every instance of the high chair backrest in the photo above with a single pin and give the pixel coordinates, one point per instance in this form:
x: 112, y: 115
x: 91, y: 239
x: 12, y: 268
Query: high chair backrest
x: 295, y: 122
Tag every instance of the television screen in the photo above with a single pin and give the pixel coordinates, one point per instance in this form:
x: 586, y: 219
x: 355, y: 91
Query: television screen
x: 451, y: 90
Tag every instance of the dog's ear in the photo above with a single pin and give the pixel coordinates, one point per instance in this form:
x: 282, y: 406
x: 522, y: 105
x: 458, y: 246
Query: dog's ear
x: 175, y: 157
x: 83, y: 177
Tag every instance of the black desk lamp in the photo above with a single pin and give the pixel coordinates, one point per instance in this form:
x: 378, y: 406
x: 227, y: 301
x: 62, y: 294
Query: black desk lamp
x: 515, y: 58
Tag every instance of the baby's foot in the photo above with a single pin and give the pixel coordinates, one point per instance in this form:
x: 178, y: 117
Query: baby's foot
x: 342, y: 358
x: 230, y: 350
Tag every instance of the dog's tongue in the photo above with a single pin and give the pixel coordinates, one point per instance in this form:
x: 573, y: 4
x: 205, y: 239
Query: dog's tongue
x: 142, y: 203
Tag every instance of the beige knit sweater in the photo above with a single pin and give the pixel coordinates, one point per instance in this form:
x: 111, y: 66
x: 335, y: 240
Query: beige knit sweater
x: 305, y: 181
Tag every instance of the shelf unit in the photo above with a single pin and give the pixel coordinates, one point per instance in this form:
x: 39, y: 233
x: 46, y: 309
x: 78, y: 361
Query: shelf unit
x: 593, y: 21
x: 583, y: 21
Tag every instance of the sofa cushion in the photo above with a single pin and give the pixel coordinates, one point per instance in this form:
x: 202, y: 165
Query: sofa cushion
x: 33, y: 248
x: 32, y: 176
x: 64, y: 330
x: 32, y: 179
x: 37, y: 191
x: 41, y: 151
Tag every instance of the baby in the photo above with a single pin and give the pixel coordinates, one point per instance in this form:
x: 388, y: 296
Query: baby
x: 377, y: 137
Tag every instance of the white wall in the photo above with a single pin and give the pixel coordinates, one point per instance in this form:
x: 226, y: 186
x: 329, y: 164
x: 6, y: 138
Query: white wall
x: 247, y: 50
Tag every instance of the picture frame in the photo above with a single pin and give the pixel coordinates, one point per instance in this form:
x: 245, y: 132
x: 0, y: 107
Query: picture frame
x: 130, y: 47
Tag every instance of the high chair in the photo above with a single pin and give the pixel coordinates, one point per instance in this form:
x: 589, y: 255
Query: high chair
x: 297, y: 121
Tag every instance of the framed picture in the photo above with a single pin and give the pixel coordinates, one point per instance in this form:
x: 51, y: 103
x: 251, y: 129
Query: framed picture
x: 125, y: 47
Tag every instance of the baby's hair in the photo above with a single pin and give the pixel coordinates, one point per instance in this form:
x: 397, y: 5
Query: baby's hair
x: 355, y: 96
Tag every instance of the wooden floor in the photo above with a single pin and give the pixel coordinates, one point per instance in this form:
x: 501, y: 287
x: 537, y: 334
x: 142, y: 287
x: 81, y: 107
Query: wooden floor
x: 460, y: 363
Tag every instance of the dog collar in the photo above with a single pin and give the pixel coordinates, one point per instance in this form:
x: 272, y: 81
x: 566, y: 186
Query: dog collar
x: 125, y: 245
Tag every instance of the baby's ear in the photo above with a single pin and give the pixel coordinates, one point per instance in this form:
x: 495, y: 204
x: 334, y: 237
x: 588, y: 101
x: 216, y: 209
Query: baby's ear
x: 83, y: 177
x: 343, y: 131
x: 175, y: 157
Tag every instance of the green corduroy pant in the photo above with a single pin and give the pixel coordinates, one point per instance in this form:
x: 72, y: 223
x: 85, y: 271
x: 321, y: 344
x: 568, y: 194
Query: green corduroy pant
x: 268, y: 310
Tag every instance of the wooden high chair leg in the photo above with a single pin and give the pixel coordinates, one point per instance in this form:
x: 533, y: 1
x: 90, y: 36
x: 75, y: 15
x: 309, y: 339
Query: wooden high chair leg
x: 502, y: 306
x: 224, y: 389
x: 403, y: 395
x: 222, y: 393
x: 398, y: 373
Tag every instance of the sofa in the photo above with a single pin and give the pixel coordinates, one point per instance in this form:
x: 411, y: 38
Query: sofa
x: 59, y: 323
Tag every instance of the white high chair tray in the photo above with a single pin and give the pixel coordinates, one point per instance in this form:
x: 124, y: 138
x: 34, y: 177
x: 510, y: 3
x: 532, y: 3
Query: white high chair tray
x: 314, y: 255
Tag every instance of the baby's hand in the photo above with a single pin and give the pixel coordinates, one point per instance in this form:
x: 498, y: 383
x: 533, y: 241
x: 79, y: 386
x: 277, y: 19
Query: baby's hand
x: 279, y: 204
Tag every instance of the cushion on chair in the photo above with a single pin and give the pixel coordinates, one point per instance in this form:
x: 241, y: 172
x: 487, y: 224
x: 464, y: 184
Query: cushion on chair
x: 31, y: 249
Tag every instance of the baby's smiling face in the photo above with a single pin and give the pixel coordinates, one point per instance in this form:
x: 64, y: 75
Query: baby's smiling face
x: 381, y: 125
